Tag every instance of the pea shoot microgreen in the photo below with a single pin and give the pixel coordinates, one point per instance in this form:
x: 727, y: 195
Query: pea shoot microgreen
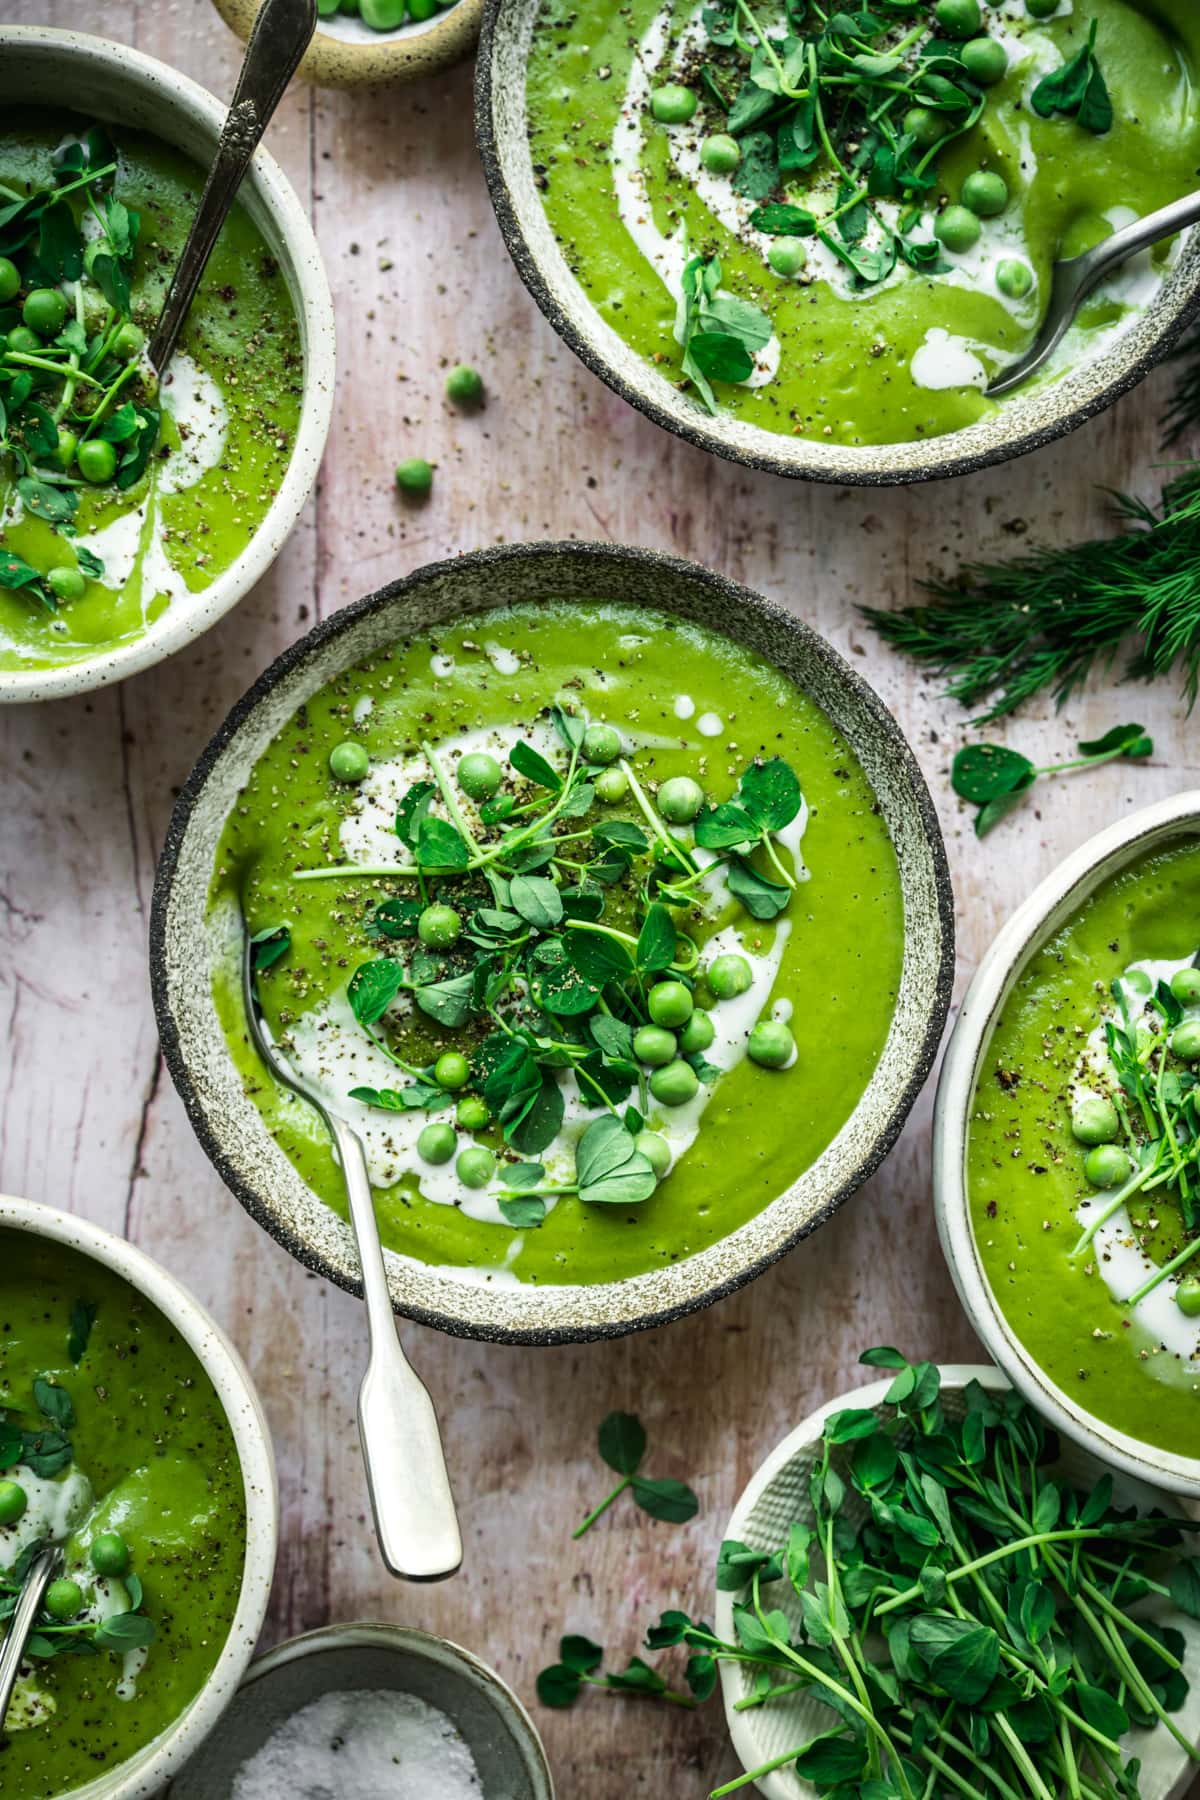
x: 969, y: 1616
x: 622, y: 1442
x: 1077, y: 90
x: 995, y: 779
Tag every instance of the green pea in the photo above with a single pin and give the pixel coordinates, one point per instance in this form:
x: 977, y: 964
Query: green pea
x: 1185, y: 1040
x: 656, y: 1151
x: 1041, y: 9
x: 1187, y: 1297
x: 421, y: 9
x: 1185, y: 985
x: 958, y: 18
x: 13, y: 1501
x: 67, y: 583
x: 770, y: 1045
x: 452, y: 1070
x: 10, y: 280
x: 439, y: 926
x: 479, y: 775
x: 958, y: 229
x: 128, y: 341
x: 670, y: 1003
x: 729, y: 975
x: 986, y: 193
x: 1105, y: 1166
x: 383, y: 15
x: 925, y: 125
x: 985, y: 60
x: 464, y: 386
x: 672, y: 105
x: 720, y: 154
x: 27, y: 342
x: 653, y: 1045
x: 475, y: 1167
x: 787, y: 256
x: 1094, y: 1120
x: 601, y: 744
x: 348, y: 761
x: 110, y: 1554
x: 437, y: 1143
x: 1014, y: 277
x: 698, y: 1033
x: 675, y: 1084
x: 97, y: 460
x: 68, y: 444
x: 611, y: 785
x: 415, y: 475
x: 326, y: 8
x: 45, y: 311
x: 680, y: 799
x: 472, y: 1113
x: 63, y: 1598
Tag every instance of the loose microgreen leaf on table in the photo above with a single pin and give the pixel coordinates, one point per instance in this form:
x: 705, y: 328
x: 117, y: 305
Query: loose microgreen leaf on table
x: 994, y: 778
x: 622, y: 1442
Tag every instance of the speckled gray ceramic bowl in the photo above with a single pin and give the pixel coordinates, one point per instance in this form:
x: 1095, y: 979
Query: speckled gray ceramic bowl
x: 345, y: 53
x: 113, y: 83
x: 495, y: 1726
x: 144, y: 1774
x: 186, y: 946
x: 1023, y: 423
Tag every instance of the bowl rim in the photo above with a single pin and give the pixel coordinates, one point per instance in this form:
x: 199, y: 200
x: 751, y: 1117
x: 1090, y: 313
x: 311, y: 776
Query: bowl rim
x: 596, y: 555
x: 188, y: 618
x: 143, y: 1774
x: 697, y: 431
x: 1048, y: 907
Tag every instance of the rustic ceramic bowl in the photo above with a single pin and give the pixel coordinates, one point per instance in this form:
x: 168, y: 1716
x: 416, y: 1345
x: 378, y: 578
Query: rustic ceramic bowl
x: 345, y: 53
x: 144, y: 1774
x: 1024, y: 422
x: 113, y: 83
x: 1045, y: 912
x: 498, y: 1731
x: 186, y: 945
x: 778, y: 1493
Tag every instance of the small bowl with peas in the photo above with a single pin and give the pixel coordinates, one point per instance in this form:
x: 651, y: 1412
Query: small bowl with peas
x: 376, y: 43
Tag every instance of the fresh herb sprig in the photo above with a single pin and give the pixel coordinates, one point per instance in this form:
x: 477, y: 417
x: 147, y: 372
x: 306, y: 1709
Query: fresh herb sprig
x: 622, y: 1444
x: 996, y: 779
x: 971, y: 1619
x: 578, y: 1666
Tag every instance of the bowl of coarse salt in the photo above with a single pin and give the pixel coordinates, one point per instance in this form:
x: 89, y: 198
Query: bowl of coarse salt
x: 374, y: 1711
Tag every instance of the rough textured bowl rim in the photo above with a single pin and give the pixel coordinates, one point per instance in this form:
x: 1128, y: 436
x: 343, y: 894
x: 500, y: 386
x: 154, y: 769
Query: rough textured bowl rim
x: 742, y: 1725
x: 930, y: 459
x: 332, y: 61
x: 1050, y: 905
x: 378, y: 1635
x: 144, y: 1774
x: 185, y: 619
x: 597, y: 557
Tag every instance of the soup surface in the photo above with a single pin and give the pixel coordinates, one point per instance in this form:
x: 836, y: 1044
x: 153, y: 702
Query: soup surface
x: 608, y: 921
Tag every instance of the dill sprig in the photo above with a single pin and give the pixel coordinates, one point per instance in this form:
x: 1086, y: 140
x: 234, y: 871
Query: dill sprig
x: 1004, y: 632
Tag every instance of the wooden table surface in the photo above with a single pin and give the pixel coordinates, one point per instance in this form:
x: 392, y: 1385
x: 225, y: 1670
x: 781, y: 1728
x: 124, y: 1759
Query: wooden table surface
x: 91, y: 1122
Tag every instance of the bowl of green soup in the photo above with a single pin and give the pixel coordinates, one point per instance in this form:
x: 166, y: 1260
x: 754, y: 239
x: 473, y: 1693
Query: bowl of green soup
x: 598, y: 895
x: 133, y: 512
x: 1066, y: 1137
x: 130, y: 1435
x: 809, y: 239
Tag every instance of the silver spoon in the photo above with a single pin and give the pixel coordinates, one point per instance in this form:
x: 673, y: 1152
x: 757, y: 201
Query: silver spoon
x: 43, y: 1570
x: 415, y: 1520
x: 1073, y: 279
x: 282, y: 33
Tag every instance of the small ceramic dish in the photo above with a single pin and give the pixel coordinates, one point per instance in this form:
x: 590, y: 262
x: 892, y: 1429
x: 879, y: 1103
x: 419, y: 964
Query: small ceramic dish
x: 1045, y: 912
x: 188, y: 945
x: 345, y: 53
x: 1025, y: 422
x: 144, y: 1774
x: 113, y: 83
x: 498, y: 1731
x: 778, y: 1493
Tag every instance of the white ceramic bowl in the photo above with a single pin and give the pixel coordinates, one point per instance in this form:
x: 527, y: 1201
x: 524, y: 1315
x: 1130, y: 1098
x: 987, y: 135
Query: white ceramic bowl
x: 1045, y: 912
x: 117, y: 85
x: 498, y: 1731
x: 778, y: 1493
x: 144, y: 1774
x: 346, y: 53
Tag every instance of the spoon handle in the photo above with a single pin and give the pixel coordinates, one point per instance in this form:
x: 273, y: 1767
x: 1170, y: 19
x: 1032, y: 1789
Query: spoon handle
x: 282, y: 33
x: 415, y: 1520
x: 42, y: 1571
